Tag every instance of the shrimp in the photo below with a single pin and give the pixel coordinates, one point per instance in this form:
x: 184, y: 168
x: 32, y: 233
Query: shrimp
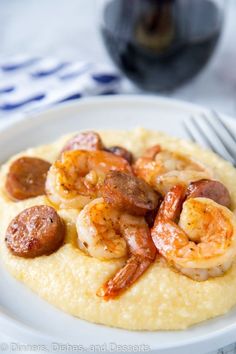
x: 200, y: 240
x: 106, y: 233
x: 163, y: 169
x: 98, y: 231
x: 76, y: 179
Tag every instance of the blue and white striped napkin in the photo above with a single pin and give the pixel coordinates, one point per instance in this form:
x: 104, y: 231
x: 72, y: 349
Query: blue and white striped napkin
x: 29, y: 84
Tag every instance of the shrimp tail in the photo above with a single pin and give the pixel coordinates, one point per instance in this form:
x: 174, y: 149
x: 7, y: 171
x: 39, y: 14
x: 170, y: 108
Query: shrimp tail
x: 172, y: 203
x: 164, y: 226
x: 133, y: 269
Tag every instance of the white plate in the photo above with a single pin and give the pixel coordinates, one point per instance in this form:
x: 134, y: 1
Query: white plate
x: 27, y: 318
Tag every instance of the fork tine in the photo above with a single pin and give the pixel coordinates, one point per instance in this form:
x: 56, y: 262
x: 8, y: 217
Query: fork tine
x: 189, y: 133
x: 220, y: 138
x: 223, y: 125
x: 203, y: 134
x: 203, y: 137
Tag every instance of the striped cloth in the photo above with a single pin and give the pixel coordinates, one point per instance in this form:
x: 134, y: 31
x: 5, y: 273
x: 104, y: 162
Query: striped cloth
x: 29, y: 83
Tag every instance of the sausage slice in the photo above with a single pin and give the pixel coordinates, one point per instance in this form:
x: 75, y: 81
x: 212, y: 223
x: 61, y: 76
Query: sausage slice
x: 84, y: 141
x: 129, y: 193
x: 26, y: 178
x: 120, y: 151
x: 34, y: 232
x: 92, y: 141
x: 207, y: 188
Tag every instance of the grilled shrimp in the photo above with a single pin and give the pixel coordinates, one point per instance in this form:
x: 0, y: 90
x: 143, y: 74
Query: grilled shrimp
x: 76, y: 179
x: 163, y: 169
x: 106, y: 233
x: 200, y: 240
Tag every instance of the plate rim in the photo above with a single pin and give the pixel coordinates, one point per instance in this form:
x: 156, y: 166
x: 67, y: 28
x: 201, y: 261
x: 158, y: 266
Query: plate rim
x: 163, y: 100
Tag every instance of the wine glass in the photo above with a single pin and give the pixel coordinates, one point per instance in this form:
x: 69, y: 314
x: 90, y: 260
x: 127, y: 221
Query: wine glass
x: 161, y: 44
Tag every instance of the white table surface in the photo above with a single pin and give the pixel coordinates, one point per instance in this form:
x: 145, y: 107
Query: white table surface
x: 59, y: 28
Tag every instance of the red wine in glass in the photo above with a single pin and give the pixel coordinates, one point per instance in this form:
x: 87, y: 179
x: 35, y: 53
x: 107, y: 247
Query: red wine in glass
x: 161, y: 44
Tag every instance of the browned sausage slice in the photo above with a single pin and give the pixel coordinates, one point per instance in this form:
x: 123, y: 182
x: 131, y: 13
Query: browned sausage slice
x: 84, y: 141
x: 34, y: 232
x: 129, y: 193
x: 26, y: 178
x: 120, y: 151
x: 207, y: 188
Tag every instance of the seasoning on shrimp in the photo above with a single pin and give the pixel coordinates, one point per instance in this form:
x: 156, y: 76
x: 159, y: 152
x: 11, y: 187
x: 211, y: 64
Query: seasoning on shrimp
x: 203, y: 243
x: 163, y: 169
x: 106, y: 233
x: 76, y: 179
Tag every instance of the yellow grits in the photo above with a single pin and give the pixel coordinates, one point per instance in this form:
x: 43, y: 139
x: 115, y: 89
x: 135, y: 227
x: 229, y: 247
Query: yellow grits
x: 161, y: 299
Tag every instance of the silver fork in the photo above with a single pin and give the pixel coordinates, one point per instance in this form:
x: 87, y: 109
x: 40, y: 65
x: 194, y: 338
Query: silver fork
x: 213, y: 132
